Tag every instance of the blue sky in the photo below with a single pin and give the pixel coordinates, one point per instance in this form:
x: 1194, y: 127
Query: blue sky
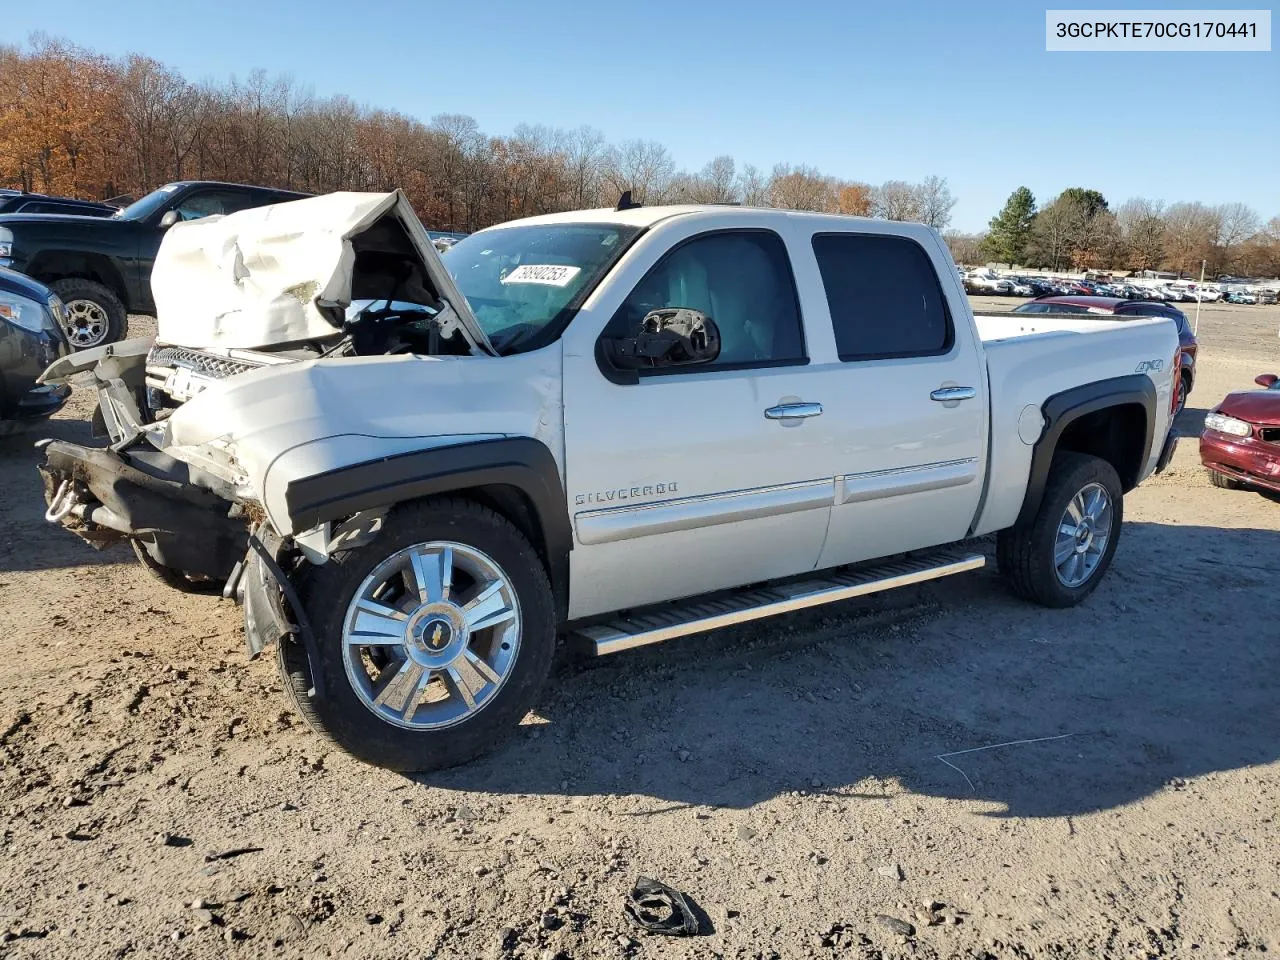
x: 867, y: 91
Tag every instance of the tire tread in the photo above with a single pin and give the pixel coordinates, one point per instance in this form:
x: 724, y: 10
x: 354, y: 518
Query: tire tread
x: 1020, y: 550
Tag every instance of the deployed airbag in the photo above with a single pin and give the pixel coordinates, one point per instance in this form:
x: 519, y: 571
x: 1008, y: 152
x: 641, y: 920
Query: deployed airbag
x: 272, y: 275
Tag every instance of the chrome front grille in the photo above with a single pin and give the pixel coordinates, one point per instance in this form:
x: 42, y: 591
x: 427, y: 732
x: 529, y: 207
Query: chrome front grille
x: 217, y: 368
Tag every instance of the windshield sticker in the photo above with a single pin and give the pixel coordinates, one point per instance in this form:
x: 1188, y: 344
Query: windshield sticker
x: 550, y: 275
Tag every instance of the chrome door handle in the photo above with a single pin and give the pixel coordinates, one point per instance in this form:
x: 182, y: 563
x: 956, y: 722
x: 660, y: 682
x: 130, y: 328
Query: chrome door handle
x: 793, y: 411
x: 944, y: 394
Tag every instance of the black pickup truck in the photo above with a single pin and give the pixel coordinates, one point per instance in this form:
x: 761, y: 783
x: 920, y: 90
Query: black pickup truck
x: 101, y: 266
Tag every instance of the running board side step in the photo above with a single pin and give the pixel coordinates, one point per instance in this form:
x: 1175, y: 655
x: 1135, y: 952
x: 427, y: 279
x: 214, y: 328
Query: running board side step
x: 698, y: 615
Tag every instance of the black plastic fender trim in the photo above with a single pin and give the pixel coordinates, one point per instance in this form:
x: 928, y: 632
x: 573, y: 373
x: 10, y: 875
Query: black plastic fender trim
x: 1062, y: 409
x: 520, y: 462
x: 268, y: 562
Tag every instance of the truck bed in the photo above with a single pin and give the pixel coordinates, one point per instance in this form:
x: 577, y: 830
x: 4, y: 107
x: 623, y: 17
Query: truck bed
x: 1033, y: 356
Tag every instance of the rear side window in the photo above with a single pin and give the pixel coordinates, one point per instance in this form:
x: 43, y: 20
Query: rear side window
x: 884, y: 297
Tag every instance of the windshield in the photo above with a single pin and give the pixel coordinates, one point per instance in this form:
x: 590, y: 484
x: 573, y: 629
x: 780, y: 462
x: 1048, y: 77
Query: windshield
x: 153, y: 201
x: 522, y: 281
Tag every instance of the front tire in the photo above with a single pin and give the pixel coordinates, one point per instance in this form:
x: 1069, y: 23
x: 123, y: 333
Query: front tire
x: 1224, y: 482
x: 434, y: 640
x: 1061, y: 556
x: 92, y: 314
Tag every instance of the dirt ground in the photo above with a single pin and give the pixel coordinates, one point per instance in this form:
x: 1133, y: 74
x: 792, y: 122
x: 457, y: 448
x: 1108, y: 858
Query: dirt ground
x: 799, y: 780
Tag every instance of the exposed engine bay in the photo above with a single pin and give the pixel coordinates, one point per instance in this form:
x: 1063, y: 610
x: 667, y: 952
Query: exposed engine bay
x: 382, y: 327
x: 392, y: 306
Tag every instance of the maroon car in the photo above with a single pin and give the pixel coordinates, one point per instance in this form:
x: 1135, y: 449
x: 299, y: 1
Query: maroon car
x: 1240, y: 445
x: 1123, y: 309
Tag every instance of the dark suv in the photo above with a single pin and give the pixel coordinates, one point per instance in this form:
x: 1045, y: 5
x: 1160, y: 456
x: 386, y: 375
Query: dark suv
x: 1120, y: 308
x: 101, y: 266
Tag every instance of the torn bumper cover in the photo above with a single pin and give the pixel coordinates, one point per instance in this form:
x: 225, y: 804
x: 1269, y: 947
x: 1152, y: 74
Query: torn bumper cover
x: 104, y: 497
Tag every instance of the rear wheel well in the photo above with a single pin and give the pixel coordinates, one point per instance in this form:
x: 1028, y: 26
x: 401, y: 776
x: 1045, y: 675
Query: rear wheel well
x: 1114, y: 434
x: 51, y: 266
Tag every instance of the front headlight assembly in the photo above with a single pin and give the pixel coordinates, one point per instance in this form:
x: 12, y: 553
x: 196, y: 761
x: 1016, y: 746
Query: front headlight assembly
x: 21, y: 312
x: 1228, y: 425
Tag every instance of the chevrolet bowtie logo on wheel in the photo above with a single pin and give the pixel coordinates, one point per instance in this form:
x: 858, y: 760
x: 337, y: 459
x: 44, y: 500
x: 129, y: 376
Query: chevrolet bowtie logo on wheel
x: 439, y: 637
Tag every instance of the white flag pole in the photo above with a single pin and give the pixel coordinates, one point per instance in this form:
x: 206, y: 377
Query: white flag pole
x: 1195, y: 329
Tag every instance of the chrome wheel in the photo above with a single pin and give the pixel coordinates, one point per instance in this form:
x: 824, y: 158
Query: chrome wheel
x: 1083, y: 534
x: 85, y: 323
x: 431, y: 635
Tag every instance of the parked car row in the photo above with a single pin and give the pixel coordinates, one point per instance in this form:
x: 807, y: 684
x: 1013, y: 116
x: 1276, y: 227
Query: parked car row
x: 1016, y: 285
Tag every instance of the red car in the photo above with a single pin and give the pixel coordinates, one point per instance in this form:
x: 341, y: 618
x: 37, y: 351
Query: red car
x: 1123, y: 309
x: 1240, y: 445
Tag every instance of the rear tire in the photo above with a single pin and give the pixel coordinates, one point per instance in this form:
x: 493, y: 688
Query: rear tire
x: 92, y: 314
x: 1224, y: 482
x: 1184, y: 391
x: 400, y: 733
x: 1038, y: 560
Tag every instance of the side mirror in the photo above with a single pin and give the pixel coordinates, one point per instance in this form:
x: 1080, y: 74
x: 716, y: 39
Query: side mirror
x: 672, y: 337
x: 1266, y: 380
x: 169, y: 219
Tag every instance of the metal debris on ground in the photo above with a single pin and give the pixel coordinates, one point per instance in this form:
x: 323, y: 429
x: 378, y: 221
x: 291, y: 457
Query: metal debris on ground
x: 656, y: 908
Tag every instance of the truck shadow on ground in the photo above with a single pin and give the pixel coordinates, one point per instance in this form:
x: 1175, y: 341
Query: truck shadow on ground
x: 30, y: 542
x: 1166, y: 673
x: 1190, y: 423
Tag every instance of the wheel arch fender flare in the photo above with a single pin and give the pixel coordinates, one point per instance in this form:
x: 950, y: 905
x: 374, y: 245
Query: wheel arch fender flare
x: 58, y: 263
x: 1063, y: 409
x: 522, y: 464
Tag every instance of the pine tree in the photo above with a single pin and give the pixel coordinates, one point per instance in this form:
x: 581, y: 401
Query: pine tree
x: 1010, y: 231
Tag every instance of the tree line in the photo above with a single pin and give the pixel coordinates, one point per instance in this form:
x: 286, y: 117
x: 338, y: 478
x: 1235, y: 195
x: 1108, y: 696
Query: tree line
x: 77, y: 123
x: 1079, y: 230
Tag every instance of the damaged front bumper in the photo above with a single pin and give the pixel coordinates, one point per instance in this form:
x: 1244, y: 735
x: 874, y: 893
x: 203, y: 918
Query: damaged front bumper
x: 180, y: 531
x: 104, y: 496
x: 183, y: 517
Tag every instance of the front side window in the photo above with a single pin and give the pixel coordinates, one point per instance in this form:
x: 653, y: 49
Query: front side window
x: 207, y: 203
x: 884, y: 297
x: 742, y: 280
x: 524, y: 283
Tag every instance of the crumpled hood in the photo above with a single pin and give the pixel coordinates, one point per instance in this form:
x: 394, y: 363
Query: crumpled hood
x: 283, y: 423
x: 282, y: 273
x: 1254, y: 406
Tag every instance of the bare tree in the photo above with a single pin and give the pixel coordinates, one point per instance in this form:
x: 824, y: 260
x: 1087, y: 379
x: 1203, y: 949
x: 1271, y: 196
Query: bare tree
x: 715, y: 183
x: 934, y: 202
x: 1142, y: 229
x: 802, y: 188
x: 1191, y: 229
x: 1236, y: 223
x: 642, y: 166
x: 965, y: 247
x: 584, y: 151
x: 752, y: 187
x: 896, y: 200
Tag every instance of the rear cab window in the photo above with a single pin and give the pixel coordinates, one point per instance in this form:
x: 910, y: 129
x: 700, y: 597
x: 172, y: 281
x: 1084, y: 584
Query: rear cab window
x: 884, y: 297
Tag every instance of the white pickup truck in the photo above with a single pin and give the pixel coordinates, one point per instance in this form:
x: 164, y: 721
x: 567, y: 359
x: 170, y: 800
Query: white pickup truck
x: 618, y: 426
